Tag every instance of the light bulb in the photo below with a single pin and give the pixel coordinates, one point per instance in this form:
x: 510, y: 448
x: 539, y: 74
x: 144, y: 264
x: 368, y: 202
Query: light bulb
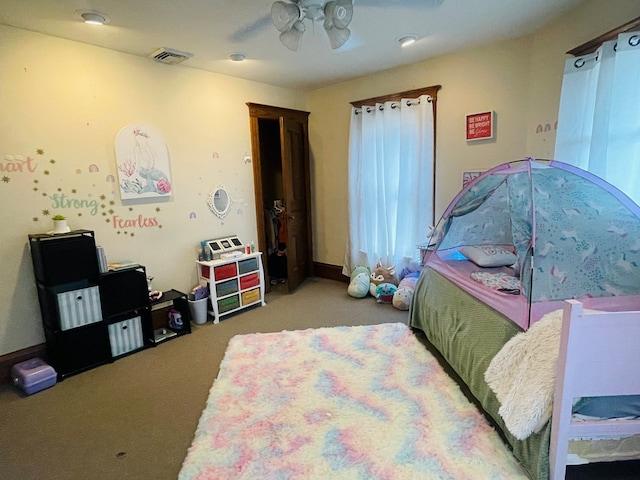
x: 93, y: 19
x: 407, y: 40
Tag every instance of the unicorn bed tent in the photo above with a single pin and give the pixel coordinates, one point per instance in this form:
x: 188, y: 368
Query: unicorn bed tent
x: 515, y: 245
x: 526, y: 235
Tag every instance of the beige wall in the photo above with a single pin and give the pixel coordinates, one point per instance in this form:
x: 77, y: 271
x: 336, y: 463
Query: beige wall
x: 70, y: 100
x: 520, y: 80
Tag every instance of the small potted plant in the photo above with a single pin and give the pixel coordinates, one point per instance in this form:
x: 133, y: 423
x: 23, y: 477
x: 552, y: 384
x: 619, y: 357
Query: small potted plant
x: 60, y: 224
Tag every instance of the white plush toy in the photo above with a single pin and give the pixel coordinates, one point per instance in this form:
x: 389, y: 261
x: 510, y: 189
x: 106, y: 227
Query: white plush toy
x: 360, y: 281
x: 404, y: 294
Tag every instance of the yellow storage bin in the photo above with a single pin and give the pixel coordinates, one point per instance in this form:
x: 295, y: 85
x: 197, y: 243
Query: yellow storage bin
x: 250, y: 296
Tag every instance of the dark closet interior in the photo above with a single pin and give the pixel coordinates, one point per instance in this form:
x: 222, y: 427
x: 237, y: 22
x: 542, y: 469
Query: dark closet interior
x: 273, y: 200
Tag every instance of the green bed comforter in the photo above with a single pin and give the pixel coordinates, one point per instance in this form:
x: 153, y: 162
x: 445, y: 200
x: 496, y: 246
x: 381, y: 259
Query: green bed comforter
x: 468, y: 334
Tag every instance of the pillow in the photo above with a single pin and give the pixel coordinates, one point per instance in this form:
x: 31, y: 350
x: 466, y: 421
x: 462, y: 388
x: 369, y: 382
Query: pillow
x: 617, y: 406
x: 489, y: 255
x: 497, y: 281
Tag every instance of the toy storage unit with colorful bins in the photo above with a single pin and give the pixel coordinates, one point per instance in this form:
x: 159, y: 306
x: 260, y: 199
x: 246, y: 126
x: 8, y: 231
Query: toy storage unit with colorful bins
x: 234, y: 283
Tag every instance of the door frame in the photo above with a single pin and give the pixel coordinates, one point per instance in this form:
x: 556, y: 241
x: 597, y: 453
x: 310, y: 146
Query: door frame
x: 257, y: 112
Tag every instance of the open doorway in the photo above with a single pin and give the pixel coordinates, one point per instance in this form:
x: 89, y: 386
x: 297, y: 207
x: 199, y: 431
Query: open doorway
x: 280, y: 151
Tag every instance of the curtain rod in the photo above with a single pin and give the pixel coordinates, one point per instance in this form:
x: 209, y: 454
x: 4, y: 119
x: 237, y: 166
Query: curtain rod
x: 394, y: 105
x: 396, y: 97
x: 592, y: 45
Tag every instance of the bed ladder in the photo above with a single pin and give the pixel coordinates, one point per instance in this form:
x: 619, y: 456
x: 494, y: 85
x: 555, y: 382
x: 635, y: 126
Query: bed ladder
x: 599, y: 356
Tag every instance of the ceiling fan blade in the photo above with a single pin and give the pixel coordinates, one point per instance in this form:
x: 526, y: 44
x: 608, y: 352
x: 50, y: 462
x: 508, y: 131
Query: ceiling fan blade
x: 339, y: 13
x: 291, y: 38
x: 251, y: 30
x: 285, y: 15
x: 337, y: 36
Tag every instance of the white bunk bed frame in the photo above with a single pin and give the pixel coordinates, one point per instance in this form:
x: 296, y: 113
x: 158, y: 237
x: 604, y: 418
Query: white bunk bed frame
x: 599, y: 356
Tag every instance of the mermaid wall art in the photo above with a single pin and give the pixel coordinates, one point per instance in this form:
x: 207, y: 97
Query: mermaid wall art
x: 142, y: 159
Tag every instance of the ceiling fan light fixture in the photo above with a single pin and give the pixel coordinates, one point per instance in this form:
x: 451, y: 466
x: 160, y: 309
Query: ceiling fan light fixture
x: 339, y: 12
x: 289, y: 18
x: 313, y: 11
x: 338, y: 36
x: 285, y: 15
x: 291, y: 39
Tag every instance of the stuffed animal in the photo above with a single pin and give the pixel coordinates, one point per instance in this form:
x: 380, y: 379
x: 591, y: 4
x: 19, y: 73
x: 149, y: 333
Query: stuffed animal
x: 359, y: 284
x: 385, y: 292
x: 382, y: 274
x: 404, y: 294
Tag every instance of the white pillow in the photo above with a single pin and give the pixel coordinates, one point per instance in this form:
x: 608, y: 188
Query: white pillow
x: 489, y: 255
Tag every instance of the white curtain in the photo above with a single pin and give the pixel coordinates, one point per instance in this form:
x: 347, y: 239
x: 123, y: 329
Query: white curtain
x: 391, y: 168
x: 599, y: 117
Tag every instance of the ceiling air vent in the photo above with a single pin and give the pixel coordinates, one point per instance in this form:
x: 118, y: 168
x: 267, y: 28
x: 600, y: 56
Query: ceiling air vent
x: 170, y: 56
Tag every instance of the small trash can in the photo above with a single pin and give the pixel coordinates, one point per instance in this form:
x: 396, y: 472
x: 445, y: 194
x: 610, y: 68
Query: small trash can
x: 198, y: 309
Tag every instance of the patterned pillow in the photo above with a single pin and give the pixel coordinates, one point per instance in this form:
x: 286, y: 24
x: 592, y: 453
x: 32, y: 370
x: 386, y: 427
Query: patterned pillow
x: 489, y: 255
x: 497, y: 281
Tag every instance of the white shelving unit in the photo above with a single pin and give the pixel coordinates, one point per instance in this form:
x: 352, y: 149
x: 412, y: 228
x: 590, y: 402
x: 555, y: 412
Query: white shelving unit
x: 234, y: 283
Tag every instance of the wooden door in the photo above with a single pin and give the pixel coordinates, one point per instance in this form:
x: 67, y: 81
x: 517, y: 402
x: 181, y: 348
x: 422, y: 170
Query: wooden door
x: 294, y: 153
x: 295, y: 178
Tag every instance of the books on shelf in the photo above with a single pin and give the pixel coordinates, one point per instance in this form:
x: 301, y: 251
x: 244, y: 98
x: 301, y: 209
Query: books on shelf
x: 112, y: 266
x: 102, y: 259
x: 122, y: 265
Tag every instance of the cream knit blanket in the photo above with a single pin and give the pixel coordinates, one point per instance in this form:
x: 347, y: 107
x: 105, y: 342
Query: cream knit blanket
x: 523, y: 374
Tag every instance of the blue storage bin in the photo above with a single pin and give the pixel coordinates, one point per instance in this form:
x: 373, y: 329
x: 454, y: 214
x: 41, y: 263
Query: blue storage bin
x: 226, y: 288
x: 248, y: 265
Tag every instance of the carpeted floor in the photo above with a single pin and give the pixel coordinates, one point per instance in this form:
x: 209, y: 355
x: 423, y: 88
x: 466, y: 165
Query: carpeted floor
x: 134, y: 419
x: 341, y: 403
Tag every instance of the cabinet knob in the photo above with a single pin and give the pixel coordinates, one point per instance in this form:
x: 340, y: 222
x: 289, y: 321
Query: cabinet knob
x: 124, y: 327
x: 79, y: 297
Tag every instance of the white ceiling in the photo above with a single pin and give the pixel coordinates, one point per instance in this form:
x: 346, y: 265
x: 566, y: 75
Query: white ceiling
x: 214, y: 29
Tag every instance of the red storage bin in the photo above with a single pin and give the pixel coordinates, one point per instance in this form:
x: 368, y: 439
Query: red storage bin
x: 204, y: 271
x: 249, y: 281
x: 225, y: 271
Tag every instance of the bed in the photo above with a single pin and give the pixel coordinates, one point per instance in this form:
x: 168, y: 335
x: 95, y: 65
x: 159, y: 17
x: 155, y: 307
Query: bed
x: 469, y: 333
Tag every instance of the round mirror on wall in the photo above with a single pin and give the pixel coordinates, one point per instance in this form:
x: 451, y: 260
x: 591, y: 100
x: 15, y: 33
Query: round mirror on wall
x: 219, y: 201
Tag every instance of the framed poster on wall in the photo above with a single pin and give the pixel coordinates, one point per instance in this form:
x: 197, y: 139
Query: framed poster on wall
x: 142, y: 160
x: 480, y: 126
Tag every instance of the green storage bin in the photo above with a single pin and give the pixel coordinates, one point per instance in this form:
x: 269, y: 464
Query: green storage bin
x: 228, y: 304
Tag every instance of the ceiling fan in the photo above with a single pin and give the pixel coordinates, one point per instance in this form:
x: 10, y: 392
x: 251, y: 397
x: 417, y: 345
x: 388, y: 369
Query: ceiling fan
x: 289, y: 18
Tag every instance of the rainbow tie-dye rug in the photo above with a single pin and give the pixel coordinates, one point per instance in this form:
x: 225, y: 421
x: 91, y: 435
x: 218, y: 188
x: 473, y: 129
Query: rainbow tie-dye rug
x: 366, y: 402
